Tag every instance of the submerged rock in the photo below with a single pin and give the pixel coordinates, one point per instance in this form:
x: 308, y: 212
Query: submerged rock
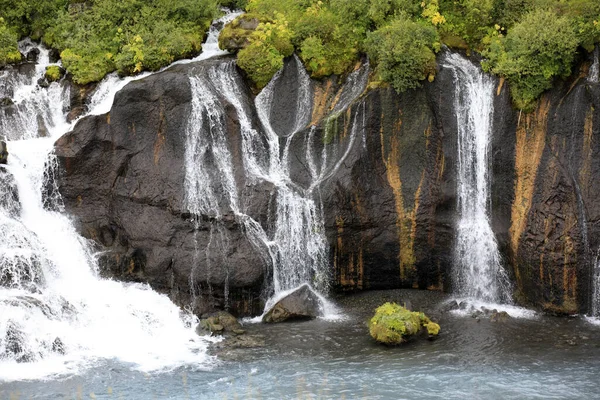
x: 219, y: 322
x: 393, y: 324
x: 302, y: 303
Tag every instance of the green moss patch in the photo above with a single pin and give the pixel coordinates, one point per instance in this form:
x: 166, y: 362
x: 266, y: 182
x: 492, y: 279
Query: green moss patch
x: 393, y: 324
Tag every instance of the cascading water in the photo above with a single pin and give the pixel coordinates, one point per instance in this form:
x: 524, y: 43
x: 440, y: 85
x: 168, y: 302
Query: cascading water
x: 478, y: 273
x: 595, y: 306
x: 295, y: 243
x: 56, y: 315
x: 33, y: 111
x: 594, y: 74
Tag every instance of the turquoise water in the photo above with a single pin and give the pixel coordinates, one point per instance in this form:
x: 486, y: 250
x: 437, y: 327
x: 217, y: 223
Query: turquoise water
x: 539, y: 358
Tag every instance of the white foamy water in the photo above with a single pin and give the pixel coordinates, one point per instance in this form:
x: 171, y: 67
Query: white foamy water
x: 472, y: 305
x: 478, y: 273
x: 594, y: 73
x: 35, y: 111
x: 57, y: 316
x: 294, y: 244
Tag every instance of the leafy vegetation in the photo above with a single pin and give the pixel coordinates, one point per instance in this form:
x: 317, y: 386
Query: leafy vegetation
x: 529, y: 42
x: 404, y: 52
x: 537, y: 50
x: 101, y: 36
x: 9, y: 51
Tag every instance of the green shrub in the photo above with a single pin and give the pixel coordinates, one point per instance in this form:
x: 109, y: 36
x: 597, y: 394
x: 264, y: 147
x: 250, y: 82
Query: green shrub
x: 404, y: 52
x: 535, y: 51
x: 269, y: 44
x: 129, y: 35
x: 261, y: 61
x: 9, y: 50
x: 53, y: 73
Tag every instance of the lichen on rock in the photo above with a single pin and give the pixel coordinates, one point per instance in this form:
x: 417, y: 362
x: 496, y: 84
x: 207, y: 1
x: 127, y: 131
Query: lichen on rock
x: 393, y: 324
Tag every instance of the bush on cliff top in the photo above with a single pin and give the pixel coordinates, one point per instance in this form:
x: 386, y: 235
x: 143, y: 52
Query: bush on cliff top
x: 393, y: 324
x: 102, y: 36
x: 404, y: 52
x: 535, y: 51
x: 9, y: 51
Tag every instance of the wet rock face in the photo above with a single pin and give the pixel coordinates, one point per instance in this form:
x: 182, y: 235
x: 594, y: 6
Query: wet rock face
x: 122, y: 177
x: 389, y: 207
x: 555, y: 224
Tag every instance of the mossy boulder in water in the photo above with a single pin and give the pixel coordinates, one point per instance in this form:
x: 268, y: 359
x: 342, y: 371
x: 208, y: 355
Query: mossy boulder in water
x: 219, y: 322
x: 394, y: 324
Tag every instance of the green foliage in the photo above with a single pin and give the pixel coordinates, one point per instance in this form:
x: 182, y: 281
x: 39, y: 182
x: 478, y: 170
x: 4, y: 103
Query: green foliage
x: 53, y: 73
x: 9, y: 50
x: 270, y: 42
x: 260, y: 61
x: 128, y: 35
x: 236, y: 35
x: 31, y: 17
x: 393, y: 324
x: 404, y: 52
x: 535, y: 51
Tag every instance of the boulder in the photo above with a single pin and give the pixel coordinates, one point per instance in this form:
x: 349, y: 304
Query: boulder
x: 6, y: 101
x: 3, y: 152
x: 393, y: 324
x: 219, y: 322
x: 236, y: 35
x: 32, y: 55
x: 302, y: 303
x: 54, y: 73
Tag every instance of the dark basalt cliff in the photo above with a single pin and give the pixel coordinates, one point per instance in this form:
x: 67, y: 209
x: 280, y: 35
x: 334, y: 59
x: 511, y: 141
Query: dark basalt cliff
x: 389, y: 206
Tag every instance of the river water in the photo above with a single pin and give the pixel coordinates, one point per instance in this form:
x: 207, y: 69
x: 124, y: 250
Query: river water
x: 523, y: 358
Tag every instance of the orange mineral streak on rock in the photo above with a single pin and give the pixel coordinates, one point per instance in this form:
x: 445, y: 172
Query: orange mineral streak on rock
x: 586, y: 168
x: 530, y: 143
x: 405, y: 218
x: 160, y: 138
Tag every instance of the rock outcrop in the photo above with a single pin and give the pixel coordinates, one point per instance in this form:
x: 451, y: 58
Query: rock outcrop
x: 388, y: 195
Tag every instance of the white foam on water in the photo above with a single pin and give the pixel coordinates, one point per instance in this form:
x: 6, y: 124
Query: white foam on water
x: 470, y: 305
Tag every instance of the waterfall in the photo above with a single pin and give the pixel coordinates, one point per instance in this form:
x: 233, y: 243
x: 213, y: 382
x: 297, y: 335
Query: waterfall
x: 594, y: 74
x: 478, y: 273
x: 595, y: 306
x: 294, y: 243
x: 57, y: 316
x: 34, y: 111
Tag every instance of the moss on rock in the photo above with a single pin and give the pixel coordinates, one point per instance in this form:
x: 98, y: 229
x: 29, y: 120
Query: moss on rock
x: 54, y: 73
x: 236, y: 35
x: 393, y: 324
